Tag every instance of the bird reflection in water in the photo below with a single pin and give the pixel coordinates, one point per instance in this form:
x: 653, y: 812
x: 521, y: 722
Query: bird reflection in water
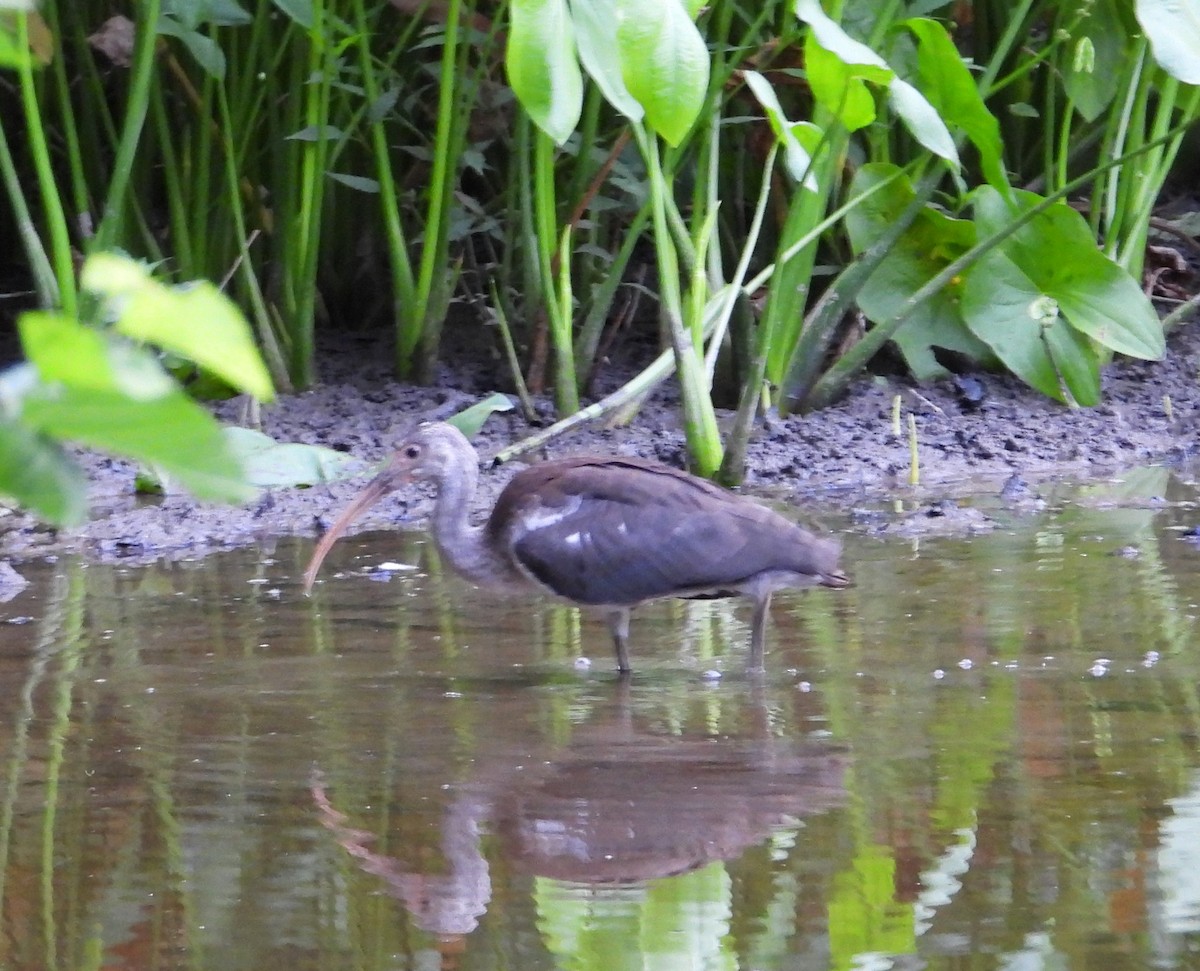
x: 616, y: 808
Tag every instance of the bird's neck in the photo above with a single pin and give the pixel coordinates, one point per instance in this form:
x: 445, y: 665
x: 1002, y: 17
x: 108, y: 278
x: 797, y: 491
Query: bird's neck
x: 457, y: 540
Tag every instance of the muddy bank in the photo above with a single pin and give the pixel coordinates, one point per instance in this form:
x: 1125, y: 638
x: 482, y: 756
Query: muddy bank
x: 840, y: 458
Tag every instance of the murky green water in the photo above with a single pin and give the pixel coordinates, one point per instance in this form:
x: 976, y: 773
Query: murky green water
x: 984, y: 755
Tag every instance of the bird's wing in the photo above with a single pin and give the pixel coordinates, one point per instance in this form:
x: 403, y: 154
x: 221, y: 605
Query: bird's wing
x: 619, y: 533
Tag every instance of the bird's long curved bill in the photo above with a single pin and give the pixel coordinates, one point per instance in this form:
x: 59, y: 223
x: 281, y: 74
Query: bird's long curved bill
x: 375, y: 490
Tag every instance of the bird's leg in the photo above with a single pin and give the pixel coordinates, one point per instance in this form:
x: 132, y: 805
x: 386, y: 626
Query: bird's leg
x: 758, y: 632
x: 618, y: 624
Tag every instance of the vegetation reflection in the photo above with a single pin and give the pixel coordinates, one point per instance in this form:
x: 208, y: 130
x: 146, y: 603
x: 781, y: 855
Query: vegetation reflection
x: 986, y: 747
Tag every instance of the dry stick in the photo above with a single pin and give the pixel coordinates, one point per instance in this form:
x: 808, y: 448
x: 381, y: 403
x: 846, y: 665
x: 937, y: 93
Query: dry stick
x: 233, y: 268
x: 510, y: 350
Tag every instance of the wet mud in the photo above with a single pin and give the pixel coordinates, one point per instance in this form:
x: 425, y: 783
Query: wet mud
x: 991, y: 435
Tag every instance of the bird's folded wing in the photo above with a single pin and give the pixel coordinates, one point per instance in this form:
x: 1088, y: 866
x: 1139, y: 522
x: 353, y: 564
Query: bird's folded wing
x: 613, y: 552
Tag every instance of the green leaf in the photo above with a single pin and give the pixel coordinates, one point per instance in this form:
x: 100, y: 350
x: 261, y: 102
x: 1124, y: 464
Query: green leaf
x: 543, y: 70
x: 300, y: 11
x: 195, y: 321
x: 1004, y: 309
x: 267, y: 463
x: 922, y: 120
x: 64, y: 351
x: 831, y: 37
x: 838, y: 87
x: 470, y: 420
x: 203, y: 48
x: 1173, y: 29
x: 932, y: 242
x: 382, y: 106
x: 947, y: 83
x: 798, y: 161
x: 664, y: 63
x: 223, y: 13
x: 357, y: 182
x: 40, y: 476
x: 172, y: 432
x: 596, y: 34
x: 1057, y: 252
x: 315, y: 133
x: 1092, y: 86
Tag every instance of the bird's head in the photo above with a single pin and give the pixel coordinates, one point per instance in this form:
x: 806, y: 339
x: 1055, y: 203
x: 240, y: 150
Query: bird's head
x: 431, y: 453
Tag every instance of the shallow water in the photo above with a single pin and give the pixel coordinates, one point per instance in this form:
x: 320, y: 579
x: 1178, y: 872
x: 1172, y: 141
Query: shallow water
x: 985, y: 754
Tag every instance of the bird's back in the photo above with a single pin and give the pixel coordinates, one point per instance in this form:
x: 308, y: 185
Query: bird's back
x: 615, y: 530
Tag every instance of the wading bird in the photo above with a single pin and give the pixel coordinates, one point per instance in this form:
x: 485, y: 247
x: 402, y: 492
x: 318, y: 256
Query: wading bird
x: 605, y: 532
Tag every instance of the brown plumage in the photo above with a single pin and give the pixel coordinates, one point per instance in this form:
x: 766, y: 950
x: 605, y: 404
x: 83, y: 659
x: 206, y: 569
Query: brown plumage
x: 604, y: 531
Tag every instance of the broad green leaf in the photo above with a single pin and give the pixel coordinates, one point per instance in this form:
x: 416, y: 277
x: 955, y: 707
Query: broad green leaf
x: 1173, y: 29
x: 1056, y: 250
x: 948, y: 85
x: 40, y: 476
x: 543, y: 70
x: 301, y: 11
x: 664, y: 63
x: 1004, y: 308
x: 829, y: 35
x: 931, y: 242
x: 171, y: 432
x: 838, y: 87
x: 358, y: 182
x: 470, y: 420
x: 922, y: 120
x: 64, y: 351
x: 267, y: 463
x: 799, y: 162
x: 1092, y: 82
x: 596, y: 34
x: 195, y: 321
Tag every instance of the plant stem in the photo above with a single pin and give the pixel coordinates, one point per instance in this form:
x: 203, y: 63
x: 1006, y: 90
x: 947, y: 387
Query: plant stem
x: 140, y: 76
x: 56, y: 220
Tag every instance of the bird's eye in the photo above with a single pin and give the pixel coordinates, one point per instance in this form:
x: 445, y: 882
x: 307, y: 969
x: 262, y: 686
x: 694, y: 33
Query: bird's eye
x: 412, y: 451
